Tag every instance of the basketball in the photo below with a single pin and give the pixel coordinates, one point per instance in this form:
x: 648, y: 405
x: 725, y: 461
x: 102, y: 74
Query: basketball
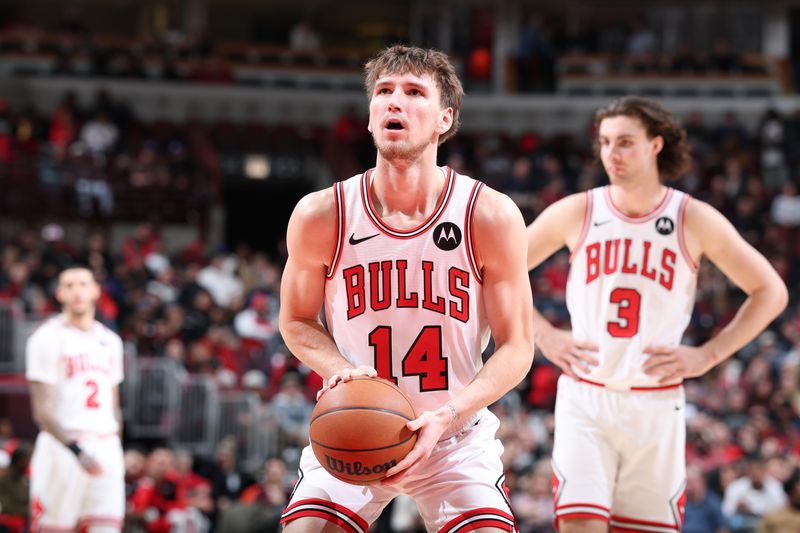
x: 358, y: 429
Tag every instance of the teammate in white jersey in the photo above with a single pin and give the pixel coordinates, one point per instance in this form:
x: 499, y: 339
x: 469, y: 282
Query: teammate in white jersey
x: 618, y: 457
x: 414, y: 265
x: 74, y: 368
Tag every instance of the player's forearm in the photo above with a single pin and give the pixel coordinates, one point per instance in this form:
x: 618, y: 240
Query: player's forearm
x: 755, y: 314
x: 314, y: 346
x: 502, y: 372
x: 49, y: 424
x: 540, y: 324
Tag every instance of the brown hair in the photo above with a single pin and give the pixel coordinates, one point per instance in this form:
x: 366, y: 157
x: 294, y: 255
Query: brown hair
x: 674, y: 158
x: 401, y: 59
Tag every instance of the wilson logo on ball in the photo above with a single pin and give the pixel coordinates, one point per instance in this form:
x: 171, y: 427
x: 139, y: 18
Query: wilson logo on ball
x: 357, y: 468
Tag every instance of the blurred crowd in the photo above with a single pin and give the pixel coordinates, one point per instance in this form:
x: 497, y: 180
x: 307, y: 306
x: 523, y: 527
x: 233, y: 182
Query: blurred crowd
x: 214, y: 311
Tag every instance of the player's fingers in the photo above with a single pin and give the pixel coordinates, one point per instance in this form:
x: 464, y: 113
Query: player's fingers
x: 566, y: 368
x: 407, y: 462
x: 576, y: 360
x: 591, y: 346
x: 654, y: 361
x: 414, y: 425
x: 674, y: 377
x: 334, y: 379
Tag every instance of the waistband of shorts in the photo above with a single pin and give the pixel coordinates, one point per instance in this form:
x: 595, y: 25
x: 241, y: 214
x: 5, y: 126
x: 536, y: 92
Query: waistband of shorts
x: 88, y: 435
x: 632, y: 389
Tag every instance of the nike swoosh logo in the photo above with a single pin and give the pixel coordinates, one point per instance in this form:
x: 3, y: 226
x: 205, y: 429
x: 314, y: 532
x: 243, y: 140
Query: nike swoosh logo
x: 601, y: 223
x: 353, y: 239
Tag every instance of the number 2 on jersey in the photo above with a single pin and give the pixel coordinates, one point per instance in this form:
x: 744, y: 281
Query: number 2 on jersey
x: 424, y: 358
x: 91, y: 400
x: 629, y: 301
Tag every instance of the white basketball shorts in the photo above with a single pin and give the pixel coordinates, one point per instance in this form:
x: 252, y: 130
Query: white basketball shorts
x: 619, y: 456
x: 64, y: 496
x: 458, y: 488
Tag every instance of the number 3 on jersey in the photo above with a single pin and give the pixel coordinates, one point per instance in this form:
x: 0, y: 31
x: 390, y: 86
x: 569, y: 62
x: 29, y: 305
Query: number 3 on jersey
x: 629, y: 301
x: 424, y: 358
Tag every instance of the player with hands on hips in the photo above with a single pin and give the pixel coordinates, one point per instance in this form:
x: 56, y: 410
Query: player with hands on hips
x: 635, y: 245
x: 415, y: 266
x: 74, y: 368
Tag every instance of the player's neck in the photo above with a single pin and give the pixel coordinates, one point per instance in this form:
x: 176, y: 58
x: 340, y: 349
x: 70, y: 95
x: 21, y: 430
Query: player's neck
x: 637, y: 197
x: 411, y: 189
x: 83, y: 321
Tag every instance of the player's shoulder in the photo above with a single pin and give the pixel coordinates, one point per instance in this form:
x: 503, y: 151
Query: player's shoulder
x: 700, y: 214
x: 105, y: 333
x: 316, y: 209
x: 48, y: 326
x: 494, y: 206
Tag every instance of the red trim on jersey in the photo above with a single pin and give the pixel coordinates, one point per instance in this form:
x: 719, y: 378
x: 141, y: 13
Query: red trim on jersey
x: 638, y: 219
x: 53, y: 529
x: 635, y: 521
x: 587, y: 218
x: 469, y: 231
x: 441, y: 206
x: 101, y: 520
x: 682, y: 235
x: 645, y: 389
x: 330, y: 513
x: 341, y: 219
x: 500, y: 521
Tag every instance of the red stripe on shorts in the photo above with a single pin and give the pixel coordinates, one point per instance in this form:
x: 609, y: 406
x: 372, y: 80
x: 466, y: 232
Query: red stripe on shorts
x: 462, y: 522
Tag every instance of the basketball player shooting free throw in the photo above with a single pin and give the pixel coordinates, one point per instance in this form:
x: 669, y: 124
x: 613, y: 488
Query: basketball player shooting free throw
x: 415, y: 265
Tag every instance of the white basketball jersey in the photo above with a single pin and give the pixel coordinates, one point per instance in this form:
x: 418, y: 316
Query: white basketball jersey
x: 409, y: 302
x: 631, y: 285
x: 84, y: 366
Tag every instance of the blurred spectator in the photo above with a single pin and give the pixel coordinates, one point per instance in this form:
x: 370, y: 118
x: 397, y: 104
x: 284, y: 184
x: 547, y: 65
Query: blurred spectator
x: 786, y: 520
x: 303, y: 37
x: 259, y: 320
x: 99, y: 134
x: 14, y: 489
x: 156, y: 493
x: 751, y: 496
x: 786, y: 206
x: 293, y: 411
x: 219, y: 279
x: 533, y: 500
x: 260, y: 506
x: 703, y: 508
x: 228, y: 481
x: 536, y: 57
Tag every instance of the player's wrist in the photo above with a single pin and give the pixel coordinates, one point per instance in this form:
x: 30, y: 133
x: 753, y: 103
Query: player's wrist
x: 74, y: 448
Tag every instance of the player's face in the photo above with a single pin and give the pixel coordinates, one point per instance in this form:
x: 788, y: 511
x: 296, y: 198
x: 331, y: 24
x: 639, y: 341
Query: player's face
x: 406, y: 116
x: 626, y: 151
x: 77, y: 291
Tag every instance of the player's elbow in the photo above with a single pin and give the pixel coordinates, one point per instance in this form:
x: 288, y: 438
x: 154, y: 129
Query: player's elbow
x: 781, y: 297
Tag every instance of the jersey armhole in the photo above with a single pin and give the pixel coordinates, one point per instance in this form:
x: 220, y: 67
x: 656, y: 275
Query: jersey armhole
x: 469, y: 231
x: 682, y: 232
x: 338, y: 200
x: 587, y: 219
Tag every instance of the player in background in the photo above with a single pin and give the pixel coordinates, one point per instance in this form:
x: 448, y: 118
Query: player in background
x: 635, y: 245
x: 74, y: 367
x: 414, y: 265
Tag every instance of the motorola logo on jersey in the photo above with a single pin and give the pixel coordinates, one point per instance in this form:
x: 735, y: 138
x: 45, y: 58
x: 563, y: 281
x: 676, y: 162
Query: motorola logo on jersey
x: 665, y: 225
x: 447, y: 236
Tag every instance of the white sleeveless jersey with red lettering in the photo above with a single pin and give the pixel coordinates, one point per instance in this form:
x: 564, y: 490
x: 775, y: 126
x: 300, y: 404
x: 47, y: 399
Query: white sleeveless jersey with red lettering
x: 409, y: 302
x: 631, y: 285
x: 83, y: 366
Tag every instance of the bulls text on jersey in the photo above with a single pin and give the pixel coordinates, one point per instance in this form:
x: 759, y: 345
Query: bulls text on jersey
x: 604, y: 258
x: 82, y: 362
x: 372, y: 285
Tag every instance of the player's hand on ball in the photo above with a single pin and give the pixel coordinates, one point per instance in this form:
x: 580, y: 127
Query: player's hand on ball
x: 346, y: 375
x: 673, y: 363
x: 430, y: 426
x: 561, y: 348
x: 90, y: 464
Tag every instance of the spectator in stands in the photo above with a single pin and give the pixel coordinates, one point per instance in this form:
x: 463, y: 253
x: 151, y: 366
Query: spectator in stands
x: 293, y: 411
x: 258, y: 321
x: 156, y: 494
x: 641, y: 46
x: 303, y: 37
x: 99, y: 134
x: 703, y: 508
x: 227, y: 480
x: 14, y: 490
x: 751, y: 496
x: 219, y: 279
x: 533, y: 500
x: 785, y: 209
x: 772, y: 137
x: 722, y: 58
x: 786, y: 520
x: 260, y: 506
x: 536, y: 57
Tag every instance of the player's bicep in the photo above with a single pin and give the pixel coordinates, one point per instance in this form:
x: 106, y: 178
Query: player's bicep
x: 507, y: 290
x: 310, y: 238
x: 557, y: 226
x: 727, y: 249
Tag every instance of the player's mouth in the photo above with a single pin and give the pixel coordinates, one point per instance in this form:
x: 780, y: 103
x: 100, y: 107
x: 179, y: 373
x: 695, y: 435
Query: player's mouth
x: 394, y: 124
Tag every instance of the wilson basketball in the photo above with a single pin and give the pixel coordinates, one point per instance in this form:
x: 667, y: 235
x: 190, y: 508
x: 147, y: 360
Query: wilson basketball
x: 358, y: 429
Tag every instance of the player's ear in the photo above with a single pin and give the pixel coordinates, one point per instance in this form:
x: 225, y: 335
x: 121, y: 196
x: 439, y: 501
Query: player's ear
x: 658, y: 144
x: 59, y: 294
x: 445, y: 121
